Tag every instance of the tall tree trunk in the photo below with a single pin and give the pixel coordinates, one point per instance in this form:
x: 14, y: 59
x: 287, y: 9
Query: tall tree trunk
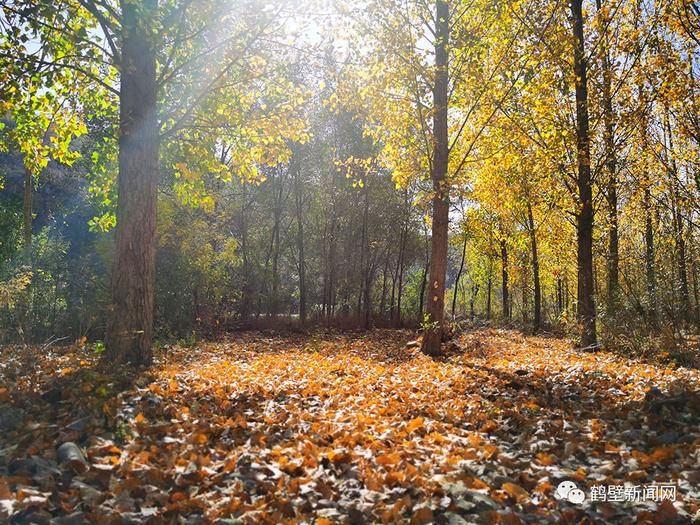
x: 273, y: 306
x: 681, y: 263
x: 694, y: 275
x: 678, y: 226
x: 525, y: 289
x: 489, y: 284
x: 584, y: 216
x: 424, y: 278
x: 472, y: 300
x: 404, y: 237
x: 247, y: 285
x: 537, y: 307
x: 560, y: 296
x: 613, y: 276
x: 331, y: 267
x: 423, y: 285
x: 382, y: 302
x: 394, y: 278
x: 130, y: 330
x: 432, y: 338
x: 459, y: 275
x: 649, y: 256
x: 364, y: 248
x: 367, y: 321
x: 324, y: 258
x: 299, y: 200
x: 23, y: 306
x: 504, y: 281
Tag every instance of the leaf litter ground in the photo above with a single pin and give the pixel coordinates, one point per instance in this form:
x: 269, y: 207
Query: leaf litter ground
x: 345, y: 428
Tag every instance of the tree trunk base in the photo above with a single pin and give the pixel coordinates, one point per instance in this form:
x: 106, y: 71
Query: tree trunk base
x: 432, y: 342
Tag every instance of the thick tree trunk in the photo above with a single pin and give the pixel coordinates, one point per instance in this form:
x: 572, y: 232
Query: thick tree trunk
x: 537, y: 307
x: 584, y: 216
x: 130, y: 330
x: 504, y: 281
x: 432, y: 338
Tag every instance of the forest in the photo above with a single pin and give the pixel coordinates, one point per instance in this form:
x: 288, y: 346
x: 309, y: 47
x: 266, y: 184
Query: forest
x: 336, y: 261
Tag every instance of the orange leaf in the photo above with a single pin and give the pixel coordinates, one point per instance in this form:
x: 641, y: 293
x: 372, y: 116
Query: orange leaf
x: 515, y: 491
x: 545, y: 459
x: 421, y: 516
x: 178, y: 496
x: 339, y: 455
x: 415, y: 424
x: 388, y: 459
x: 662, y: 453
x: 200, y: 438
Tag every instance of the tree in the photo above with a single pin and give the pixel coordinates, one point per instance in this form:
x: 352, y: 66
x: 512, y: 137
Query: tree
x: 584, y: 214
x: 156, y: 49
x: 427, y: 87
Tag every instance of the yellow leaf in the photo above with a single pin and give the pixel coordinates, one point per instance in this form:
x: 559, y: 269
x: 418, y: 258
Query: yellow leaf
x: 415, y: 424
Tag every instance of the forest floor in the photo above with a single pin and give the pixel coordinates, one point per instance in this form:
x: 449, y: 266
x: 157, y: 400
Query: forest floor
x: 346, y: 428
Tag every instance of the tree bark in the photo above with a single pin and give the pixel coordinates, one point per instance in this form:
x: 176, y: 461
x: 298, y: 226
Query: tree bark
x: 489, y: 284
x: 299, y: 200
x: 273, y: 307
x: 404, y: 237
x: 537, y: 307
x: 432, y: 338
x: 584, y: 216
x: 678, y: 225
x: 613, y: 276
x: 424, y: 278
x: 504, y: 281
x: 459, y: 275
x: 649, y: 256
x: 130, y: 330
x: 361, y: 274
x: 382, y: 302
x: 248, y: 284
x: 367, y: 318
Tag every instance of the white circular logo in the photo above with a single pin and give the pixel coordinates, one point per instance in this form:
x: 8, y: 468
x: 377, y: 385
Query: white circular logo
x: 569, y: 491
x: 564, y: 488
x: 576, y: 496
